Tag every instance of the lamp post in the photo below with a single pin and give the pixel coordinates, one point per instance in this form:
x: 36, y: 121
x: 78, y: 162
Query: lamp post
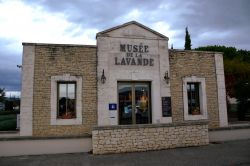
x: 166, y: 77
x: 103, y: 78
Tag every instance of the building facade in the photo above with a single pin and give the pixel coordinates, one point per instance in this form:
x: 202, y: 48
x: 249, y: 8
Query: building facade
x: 129, y: 84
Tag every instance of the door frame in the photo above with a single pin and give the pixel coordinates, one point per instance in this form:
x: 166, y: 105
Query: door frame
x: 133, y: 100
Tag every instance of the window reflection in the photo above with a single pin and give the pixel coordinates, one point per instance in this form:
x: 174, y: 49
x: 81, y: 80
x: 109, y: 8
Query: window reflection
x: 193, y: 98
x: 125, y: 104
x: 134, y: 103
x: 142, y: 103
x: 66, y: 100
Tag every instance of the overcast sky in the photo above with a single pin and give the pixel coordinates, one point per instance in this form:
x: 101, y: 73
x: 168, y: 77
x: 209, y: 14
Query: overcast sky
x: 210, y: 22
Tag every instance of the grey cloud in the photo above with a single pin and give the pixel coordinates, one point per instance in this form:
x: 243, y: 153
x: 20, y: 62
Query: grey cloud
x: 10, y: 79
x: 10, y: 75
x: 223, y: 14
x: 221, y: 17
x: 10, y: 57
x: 95, y: 13
x: 200, y: 16
x: 226, y: 21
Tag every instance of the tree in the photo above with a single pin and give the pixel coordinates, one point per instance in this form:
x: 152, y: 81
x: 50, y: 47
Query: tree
x: 242, y: 93
x: 237, y: 75
x: 236, y: 65
x: 187, y: 40
x: 2, y: 94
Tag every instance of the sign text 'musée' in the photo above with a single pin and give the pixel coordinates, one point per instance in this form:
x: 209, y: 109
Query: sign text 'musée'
x: 135, y: 55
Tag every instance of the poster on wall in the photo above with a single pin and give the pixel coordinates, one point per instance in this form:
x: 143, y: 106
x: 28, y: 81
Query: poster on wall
x: 166, y: 107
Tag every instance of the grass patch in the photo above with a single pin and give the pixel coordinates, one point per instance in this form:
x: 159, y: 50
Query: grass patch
x: 9, y: 112
x: 8, y: 122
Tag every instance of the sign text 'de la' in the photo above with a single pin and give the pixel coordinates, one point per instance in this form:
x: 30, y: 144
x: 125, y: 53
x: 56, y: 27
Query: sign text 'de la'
x: 134, y: 55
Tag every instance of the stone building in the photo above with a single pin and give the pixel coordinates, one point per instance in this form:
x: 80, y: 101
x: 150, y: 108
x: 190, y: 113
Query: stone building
x: 129, y: 92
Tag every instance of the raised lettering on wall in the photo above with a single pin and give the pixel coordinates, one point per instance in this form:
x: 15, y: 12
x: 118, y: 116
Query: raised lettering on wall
x: 136, y: 55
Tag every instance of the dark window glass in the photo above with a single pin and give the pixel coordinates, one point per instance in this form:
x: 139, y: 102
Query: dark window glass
x: 193, y: 98
x: 66, y: 100
x: 125, y: 104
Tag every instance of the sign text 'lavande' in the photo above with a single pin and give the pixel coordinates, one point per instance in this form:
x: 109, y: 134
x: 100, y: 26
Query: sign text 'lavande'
x: 134, y: 55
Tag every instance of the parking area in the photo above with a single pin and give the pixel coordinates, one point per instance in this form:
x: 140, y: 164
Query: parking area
x: 231, y: 153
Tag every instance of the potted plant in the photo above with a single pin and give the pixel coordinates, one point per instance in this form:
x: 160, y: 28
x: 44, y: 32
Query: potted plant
x: 196, y: 111
x: 67, y: 115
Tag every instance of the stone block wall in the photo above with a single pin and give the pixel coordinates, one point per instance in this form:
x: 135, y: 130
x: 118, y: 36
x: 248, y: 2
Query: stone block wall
x: 117, y: 139
x: 79, y: 60
x: 53, y: 60
x: 193, y: 63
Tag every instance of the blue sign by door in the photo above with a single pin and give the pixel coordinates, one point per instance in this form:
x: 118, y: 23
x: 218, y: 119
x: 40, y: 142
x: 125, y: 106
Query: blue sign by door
x: 112, y: 106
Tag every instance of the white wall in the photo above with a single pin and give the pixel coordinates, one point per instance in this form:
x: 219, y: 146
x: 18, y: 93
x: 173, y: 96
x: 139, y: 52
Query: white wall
x: 44, y: 146
x: 27, y: 91
x: 222, y: 104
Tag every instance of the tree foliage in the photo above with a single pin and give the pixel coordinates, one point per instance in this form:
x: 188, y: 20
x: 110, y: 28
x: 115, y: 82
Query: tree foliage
x: 187, y: 40
x: 237, y: 75
x: 236, y: 62
x: 2, y: 94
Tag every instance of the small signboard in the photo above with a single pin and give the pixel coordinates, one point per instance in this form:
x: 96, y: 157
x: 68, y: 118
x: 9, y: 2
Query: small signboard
x: 166, y: 107
x: 112, y: 106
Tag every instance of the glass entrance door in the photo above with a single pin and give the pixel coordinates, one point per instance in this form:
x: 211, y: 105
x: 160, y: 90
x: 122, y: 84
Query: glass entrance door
x: 125, y: 103
x: 134, y: 103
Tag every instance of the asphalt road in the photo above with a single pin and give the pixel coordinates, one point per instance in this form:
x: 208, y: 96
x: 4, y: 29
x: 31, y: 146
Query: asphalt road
x: 233, y: 153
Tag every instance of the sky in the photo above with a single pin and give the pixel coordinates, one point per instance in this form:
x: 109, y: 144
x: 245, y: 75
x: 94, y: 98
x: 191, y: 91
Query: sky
x: 210, y: 22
